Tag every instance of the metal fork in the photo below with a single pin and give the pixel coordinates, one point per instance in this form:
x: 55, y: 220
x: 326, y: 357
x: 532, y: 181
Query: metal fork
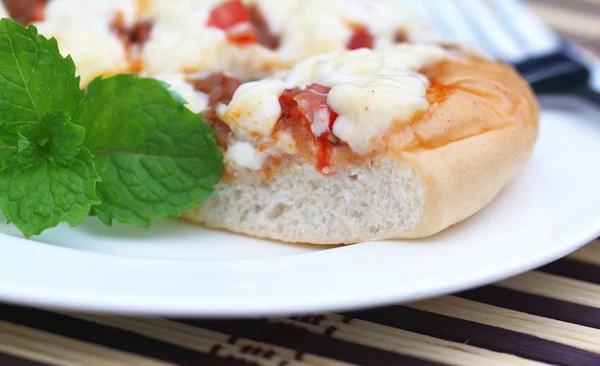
x: 507, y: 30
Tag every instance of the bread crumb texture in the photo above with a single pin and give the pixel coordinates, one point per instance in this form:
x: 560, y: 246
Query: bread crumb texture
x: 376, y: 200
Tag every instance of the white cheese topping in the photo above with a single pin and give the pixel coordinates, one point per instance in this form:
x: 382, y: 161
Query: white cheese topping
x: 82, y: 29
x: 385, y: 18
x: 370, y: 90
x: 315, y: 27
x: 277, y: 13
x: 94, y: 52
x: 182, y: 48
x: 196, y: 101
x: 3, y: 11
x: 179, y: 11
x: 254, y: 109
x: 243, y: 154
x: 98, y: 14
x: 285, y: 144
x: 181, y: 41
x: 309, y: 27
x: 369, y: 106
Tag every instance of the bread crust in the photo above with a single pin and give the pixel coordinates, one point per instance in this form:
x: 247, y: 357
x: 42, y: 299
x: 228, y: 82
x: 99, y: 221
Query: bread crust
x: 499, y: 115
x: 463, y: 151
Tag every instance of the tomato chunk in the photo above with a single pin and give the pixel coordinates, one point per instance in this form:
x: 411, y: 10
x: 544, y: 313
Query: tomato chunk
x: 232, y: 17
x: 361, y: 38
x: 312, y: 103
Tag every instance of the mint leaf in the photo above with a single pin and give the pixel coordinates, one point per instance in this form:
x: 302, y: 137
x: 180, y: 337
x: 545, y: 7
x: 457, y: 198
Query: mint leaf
x: 35, y: 79
x: 154, y: 156
x: 50, y: 178
x: 57, y: 140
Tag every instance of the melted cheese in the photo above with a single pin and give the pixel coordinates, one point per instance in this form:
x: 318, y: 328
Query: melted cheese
x: 315, y: 27
x: 3, y: 11
x: 284, y: 144
x: 196, y: 101
x: 94, y: 52
x: 179, y: 11
x: 243, y: 154
x: 369, y: 106
x: 370, y: 90
x: 276, y: 12
x: 254, y: 109
x: 309, y: 27
x: 180, y: 48
x: 97, y: 14
x: 82, y: 29
x: 385, y: 18
x: 180, y: 41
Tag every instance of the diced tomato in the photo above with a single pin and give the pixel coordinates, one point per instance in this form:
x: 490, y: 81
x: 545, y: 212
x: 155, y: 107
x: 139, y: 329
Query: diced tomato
x: 289, y: 106
x: 312, y: 103
x: 361, y: 38
x: 232, y: 17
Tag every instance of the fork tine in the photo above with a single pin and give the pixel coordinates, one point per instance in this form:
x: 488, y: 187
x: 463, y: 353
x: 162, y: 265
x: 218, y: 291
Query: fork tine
x: 445, y: 15
x: 488, y: 27
x: 536, y: 38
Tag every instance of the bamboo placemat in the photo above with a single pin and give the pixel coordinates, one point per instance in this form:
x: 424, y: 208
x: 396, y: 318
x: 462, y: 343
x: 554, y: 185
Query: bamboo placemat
x: 550, y: 316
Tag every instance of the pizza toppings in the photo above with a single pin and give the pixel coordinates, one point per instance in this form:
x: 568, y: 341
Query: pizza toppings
x: 261, y: 28
x: 140, y: 32
x: 89, y: 31
x: 218, y: 86
x: 254, y: 109
x: 26, y: 11
x: 232, y: 17
x: 361, y: 38
x: 349, y: 98
x: 196, y: 101
x: 401, y: 36
x: 312, y: 103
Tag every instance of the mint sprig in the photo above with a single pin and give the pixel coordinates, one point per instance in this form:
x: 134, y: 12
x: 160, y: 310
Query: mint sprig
x: 34, y: 79
x: 50, y: 179
x: 154, y: 156
x: 127, y: 150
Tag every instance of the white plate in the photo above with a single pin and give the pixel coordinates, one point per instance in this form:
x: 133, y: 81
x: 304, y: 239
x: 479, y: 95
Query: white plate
x: 179, y: 269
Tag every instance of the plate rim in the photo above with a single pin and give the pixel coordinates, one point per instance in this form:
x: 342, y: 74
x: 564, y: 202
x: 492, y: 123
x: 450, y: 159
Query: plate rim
x: 195, y: 305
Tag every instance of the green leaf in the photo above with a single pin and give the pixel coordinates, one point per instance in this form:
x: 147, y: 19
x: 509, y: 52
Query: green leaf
x: 155, y: 157
x: 51, y: 179
x: 35, y: 79
x: 56, y: 139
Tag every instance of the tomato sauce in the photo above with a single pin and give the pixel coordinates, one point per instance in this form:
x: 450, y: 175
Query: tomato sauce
x: 299, y: 109
x: 312, y: 103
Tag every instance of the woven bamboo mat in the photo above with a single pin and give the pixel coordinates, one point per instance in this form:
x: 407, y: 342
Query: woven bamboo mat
x: 547, y: 316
